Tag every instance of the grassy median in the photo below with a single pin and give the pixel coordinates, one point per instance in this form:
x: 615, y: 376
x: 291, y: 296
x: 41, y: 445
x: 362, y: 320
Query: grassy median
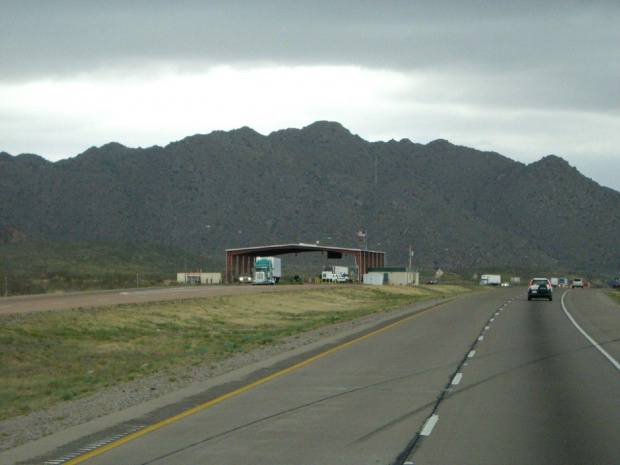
x: 47, y: 358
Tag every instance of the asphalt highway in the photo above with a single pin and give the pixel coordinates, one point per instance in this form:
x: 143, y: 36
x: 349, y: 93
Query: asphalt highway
x: 536, y: 390
x: 490, y: 378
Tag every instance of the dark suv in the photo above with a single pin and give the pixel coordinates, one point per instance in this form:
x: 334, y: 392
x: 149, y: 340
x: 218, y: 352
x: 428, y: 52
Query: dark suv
x: 540, y: 288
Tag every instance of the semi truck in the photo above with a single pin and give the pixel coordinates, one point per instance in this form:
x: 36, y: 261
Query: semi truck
x: 491, y: 280
x: 335, y: 274
x: 267, y: 270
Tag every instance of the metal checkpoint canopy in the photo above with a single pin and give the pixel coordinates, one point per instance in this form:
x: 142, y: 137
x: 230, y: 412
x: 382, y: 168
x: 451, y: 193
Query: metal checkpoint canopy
x: 242, y: 260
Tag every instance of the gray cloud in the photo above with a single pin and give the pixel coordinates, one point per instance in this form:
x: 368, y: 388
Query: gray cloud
x: 563, y: 54
x: 553, y: 58
x: 405, y: 35
x: 547, y: 45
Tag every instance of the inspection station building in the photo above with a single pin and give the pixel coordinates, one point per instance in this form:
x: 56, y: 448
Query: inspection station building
x: 240, y: 261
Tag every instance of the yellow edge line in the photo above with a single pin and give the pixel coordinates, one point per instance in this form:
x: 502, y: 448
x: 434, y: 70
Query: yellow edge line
x: 148, y: 429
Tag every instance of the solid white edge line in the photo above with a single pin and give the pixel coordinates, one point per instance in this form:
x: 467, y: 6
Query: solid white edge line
x: 427, y: 429
x: 613, y: 361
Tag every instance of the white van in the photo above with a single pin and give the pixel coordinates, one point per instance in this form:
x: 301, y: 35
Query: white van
x: 577, y: 282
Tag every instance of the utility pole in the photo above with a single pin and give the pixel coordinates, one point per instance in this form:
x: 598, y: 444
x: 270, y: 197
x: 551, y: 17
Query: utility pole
x: 410, y: 258
x: 375, y: 171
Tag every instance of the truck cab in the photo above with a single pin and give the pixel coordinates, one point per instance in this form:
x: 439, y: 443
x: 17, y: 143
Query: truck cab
x: 267, y: 270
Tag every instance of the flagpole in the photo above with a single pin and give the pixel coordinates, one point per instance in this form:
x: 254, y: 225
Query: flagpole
x: 363, y: 235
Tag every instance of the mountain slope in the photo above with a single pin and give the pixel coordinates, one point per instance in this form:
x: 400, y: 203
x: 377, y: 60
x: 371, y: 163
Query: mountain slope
x: 458, y: 207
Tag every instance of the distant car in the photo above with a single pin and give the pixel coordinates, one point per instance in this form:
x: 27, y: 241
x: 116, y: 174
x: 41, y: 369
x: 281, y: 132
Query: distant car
x: 577, y: 282
x: 245, y: 278
x: 431, y: 281
x: 540, y: 288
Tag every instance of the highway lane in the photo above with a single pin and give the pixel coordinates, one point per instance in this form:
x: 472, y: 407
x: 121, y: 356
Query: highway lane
x: 535, y: 390
x: 507, y: 381
x: 64, y: 301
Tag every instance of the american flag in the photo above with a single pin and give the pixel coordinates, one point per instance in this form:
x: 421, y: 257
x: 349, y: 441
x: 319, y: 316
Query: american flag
x: 361, y: 234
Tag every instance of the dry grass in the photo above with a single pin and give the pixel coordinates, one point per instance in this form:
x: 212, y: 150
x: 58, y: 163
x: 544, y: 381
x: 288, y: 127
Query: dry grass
x: 46, y: 358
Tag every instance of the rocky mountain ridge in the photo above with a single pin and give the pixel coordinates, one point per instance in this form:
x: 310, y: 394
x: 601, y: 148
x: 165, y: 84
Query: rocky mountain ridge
x: 456, y: 206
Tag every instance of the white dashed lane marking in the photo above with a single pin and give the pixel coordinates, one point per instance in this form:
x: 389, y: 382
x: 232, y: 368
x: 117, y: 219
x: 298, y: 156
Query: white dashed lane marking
x: 427, y: 429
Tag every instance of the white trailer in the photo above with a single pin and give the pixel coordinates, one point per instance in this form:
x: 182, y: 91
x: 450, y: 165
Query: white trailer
x: 335, y: 274
x: 491, y: 280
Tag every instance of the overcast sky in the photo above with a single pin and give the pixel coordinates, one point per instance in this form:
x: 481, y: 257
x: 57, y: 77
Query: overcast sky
x: 522, y: 78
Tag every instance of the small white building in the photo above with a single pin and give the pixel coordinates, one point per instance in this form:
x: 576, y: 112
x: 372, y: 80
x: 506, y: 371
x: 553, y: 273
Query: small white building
x: 375, y: 278
x: 392, y: 276
x: 199, y: 278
